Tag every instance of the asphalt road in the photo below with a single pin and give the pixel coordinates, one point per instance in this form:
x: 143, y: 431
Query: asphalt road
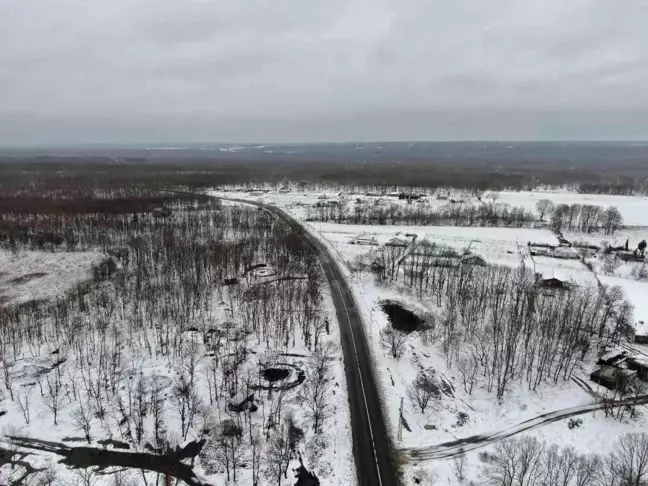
x: 372, y: 446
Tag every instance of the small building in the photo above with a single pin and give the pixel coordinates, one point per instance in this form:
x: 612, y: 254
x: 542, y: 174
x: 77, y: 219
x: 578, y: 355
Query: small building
x: 640, y: 332
x: 613, y: 378
x: 553, y: 283
x: 474, y: 260
x: 241, y: 402
x: 160, y: 212
x: 409, y: 197
x: 639, y: 365
x: 364, y: 240
x: 399, y: 242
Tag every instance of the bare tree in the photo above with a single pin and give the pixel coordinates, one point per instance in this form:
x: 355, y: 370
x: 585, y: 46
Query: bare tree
x: 316, y: 392
x: 8, y: 378
x: 45, y: 477
x: 612, y: 220
x: 255, y: 453
x: 610, y: 264
x: 157, y: 400
x: 393, y: 340
x: 279, y: 454
x: 24, y: 398
x: 468, y: 366
x: 459, y: 467
x: 544, y: 207
x: 514, y: 462
x: 53, y: 396
x: 82, y: 418
x: 421, y: 391
x: 223, y: 450
x: 85, y: 477
x: 629, y: 459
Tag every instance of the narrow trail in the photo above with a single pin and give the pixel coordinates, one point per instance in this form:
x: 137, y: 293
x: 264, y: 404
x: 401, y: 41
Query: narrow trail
x: 457, y: 447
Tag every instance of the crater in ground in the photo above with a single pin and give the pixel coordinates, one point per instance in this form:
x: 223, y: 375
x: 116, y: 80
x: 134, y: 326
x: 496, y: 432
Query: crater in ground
x: 276, y: 374
x: 401, y: 318
x: 280, y: 376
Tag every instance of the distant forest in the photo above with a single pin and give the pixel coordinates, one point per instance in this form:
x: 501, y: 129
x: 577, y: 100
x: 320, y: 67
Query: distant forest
x: 590, y: 168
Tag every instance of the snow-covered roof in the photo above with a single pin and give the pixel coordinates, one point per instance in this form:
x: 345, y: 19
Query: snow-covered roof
x: 640, y: 328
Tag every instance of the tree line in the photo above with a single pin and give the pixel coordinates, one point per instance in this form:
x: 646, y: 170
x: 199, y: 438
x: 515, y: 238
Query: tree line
x: 531, y: 462
x: 496, y: 325
x: 457, y: 214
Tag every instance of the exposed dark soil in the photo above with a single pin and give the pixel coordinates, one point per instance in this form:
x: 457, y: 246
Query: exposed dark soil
x: 281, y: 372
x: 401, y: 318
x: 84, y: 457
x: 275, y: 374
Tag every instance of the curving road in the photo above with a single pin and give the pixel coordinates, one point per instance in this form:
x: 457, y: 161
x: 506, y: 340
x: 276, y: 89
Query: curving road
x: 372, y: 447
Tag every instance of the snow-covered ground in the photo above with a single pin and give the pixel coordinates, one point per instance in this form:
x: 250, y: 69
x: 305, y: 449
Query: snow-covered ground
x: 460, y: 414
x: 36, y: 275
x: 633, y: 208
x: 328, y: 455
x: 637, y: 293
x: 76, y: 356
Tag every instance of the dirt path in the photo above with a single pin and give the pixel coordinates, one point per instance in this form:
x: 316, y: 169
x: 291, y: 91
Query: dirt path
x: 460, y: 446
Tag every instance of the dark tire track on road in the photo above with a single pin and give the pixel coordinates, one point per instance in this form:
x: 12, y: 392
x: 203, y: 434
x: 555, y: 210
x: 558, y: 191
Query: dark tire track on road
x: 454, y: 448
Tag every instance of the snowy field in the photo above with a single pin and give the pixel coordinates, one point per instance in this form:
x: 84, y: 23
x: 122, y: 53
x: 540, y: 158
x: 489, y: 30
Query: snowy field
x: 637, y: 293
x: 36, y: 275
x: 498, y: 246
x: 633, y: 208
x: 632, y: 235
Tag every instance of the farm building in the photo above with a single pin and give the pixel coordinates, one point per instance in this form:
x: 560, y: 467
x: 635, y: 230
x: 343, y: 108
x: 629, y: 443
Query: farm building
x: 160, y: 212
x: 553, y: 283
x: 475, y: 260
x: 639, y: 365
x: 410, y: 197
x: 398, y: 241
x: 640, y: 332
x: 612, y: 377
x: 364, y: 240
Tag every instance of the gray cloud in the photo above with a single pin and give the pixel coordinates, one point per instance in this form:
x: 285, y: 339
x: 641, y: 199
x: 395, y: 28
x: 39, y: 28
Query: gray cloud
x: 199, y: 70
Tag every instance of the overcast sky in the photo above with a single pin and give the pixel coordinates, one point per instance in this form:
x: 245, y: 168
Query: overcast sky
x: 75, y: 71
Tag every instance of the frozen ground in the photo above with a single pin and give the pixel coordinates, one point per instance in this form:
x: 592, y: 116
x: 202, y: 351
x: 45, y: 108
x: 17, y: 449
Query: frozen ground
x: 35, y: 275
x: 632, y: 235
x: 483, y: 413
x: 633, y: 208
x: 329, y: 455
x: 30, y: 368
x: 637, y: 293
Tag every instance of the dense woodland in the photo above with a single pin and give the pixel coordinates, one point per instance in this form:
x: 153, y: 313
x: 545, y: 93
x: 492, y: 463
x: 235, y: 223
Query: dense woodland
x: 154, y: 347
x: 601, y: 170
